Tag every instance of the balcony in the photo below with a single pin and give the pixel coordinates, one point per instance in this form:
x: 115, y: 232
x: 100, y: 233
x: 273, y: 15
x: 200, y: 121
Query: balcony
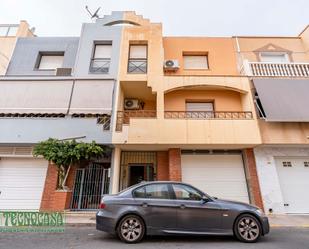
x: 100, y: 65
x: 269, y: 69
x: 207, y: 115
x: 137, y: 66
x: 123, y: 117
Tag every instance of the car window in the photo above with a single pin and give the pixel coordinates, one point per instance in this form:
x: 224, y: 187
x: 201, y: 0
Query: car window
x: 184, y: 192
x: 139, y: 193
x: 157, y: 191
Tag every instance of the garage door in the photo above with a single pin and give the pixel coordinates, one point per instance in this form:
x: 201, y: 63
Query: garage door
x: 222, y: 176
x: 21, y: 183
x: 294, y: 181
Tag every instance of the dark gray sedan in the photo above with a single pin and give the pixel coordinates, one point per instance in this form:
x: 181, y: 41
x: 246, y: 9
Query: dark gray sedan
x: 162, y: 208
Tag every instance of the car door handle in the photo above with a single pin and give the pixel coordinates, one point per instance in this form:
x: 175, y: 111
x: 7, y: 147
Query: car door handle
x: 144, y: 204
x: 182, y: 206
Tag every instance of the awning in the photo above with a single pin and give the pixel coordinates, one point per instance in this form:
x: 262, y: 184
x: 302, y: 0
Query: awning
x: 284, y: 100
x: 35, y: 96
x: 92, y: 97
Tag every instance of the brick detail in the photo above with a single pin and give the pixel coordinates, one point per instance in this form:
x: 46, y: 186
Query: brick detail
x: 174, y: 162
x: 49, y: 187
x: 53, y: 200
x: 162, y: 166
x: 254, y: 185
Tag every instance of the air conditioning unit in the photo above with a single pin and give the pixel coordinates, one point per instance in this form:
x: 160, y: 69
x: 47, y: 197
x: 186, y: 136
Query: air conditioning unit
x: 171, y: 65
x: 63, y: 71
x: 131, y: 104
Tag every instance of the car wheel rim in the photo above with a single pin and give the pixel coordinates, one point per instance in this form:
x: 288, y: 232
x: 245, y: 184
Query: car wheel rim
x: 248, y: 229
x: 131, y: 229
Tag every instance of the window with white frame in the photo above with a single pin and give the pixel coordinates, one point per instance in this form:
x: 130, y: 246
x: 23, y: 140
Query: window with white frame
x: 195, y: 61
x: 50, y: 61
x: 101, y: 58
x: 274, y: 57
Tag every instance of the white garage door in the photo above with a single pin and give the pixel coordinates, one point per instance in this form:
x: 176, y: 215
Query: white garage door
x: 294, y: 181
x: 21, y: 183
x: 222, y: 176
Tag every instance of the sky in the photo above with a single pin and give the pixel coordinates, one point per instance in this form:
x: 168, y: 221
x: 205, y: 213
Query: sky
x: 179, y: 17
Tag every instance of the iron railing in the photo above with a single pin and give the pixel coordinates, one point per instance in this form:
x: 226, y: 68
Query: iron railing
x: 138, y: 66
x: 207, y: 115
x: 100, y: 65
x: 90, y: 185
x: 123, y: 117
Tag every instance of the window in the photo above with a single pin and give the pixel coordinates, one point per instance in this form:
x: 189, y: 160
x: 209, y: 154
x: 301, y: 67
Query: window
x: 10, y: 30
x: 139, y: 193
x: 184, y: 192
x: 50, y: 61
x: 287, y: 164
x: 101, y: 58
x: 199, y: 106
x: 195, y: 61
x: 274, y: 57
x: 157, y: 191
x: 137, y: 59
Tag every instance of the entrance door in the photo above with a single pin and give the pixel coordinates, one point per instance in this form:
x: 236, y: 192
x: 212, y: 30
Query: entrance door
x: 91, y: 184
x: 140, y: 172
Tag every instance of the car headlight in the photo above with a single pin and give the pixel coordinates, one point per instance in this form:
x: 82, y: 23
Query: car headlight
x: 260, y: 212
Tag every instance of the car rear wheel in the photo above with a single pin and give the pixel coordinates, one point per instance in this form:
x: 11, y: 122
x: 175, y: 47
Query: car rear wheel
x: 247, y: 228
x: 131, y: 229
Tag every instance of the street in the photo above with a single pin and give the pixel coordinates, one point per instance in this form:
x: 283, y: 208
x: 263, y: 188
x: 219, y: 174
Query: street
x: 88, y: 237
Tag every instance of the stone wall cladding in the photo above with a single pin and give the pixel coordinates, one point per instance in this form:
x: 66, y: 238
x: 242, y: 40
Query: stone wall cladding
x: 162, y: 166
x: 252, y: 176
x: 174, y: 161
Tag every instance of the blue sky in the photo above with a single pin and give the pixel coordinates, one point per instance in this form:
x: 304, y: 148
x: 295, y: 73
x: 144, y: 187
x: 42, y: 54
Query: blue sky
x: 179, y: 17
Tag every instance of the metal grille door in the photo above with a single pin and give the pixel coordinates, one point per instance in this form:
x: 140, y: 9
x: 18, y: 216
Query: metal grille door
x: 90, y: 185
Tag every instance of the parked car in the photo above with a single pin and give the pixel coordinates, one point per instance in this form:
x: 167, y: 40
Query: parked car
x: 163, y: 208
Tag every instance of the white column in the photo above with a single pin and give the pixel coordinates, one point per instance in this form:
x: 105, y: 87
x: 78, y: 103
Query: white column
x: 115, y: 171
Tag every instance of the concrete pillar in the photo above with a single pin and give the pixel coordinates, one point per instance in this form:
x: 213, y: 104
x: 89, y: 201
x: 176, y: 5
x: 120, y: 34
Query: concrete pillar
x: 115, y: 171
x: 174, y: 163
x: 160, y: 105
x: 253, y: 180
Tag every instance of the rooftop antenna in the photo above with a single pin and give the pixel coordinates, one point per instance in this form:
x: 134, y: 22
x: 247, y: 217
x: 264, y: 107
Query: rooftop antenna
x: 95, y: 14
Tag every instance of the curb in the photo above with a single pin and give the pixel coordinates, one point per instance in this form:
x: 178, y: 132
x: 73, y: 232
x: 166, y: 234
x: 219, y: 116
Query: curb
x: 296, y: 226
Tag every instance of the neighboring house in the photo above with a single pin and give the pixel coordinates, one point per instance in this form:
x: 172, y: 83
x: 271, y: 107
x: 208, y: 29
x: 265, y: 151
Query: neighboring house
x: 9, y: 33
x: 59, y: 87
x: 278, y: 68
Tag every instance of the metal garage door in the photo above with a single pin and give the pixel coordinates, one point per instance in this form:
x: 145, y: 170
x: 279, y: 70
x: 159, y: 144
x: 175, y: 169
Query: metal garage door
x: 294, y: 181
x: 222, y: 176
x: 21, y: 183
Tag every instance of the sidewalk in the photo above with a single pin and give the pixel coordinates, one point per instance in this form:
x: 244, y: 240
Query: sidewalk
x: 289, y: 220
x: 88, y: 218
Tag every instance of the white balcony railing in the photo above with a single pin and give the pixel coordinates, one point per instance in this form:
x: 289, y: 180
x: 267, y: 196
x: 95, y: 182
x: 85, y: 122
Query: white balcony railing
x: 269, y: 69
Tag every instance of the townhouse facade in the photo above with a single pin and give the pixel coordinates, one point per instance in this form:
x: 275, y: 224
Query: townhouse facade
x: 278, y: 70
x: 212, y: 112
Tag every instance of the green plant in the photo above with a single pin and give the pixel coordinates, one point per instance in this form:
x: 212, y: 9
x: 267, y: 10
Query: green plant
x: 65, y: 154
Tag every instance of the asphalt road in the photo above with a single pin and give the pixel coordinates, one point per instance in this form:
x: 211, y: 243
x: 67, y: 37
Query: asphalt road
x: 89, y: 238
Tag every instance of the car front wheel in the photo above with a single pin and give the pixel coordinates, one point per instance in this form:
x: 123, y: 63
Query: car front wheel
x: 247, y: 228
x: 131, y: 229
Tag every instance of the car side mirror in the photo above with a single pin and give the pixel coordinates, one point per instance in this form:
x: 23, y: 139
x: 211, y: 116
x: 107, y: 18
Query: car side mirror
x: 205, y: 199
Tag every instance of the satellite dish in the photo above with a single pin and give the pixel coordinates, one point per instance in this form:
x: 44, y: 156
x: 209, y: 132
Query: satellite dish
x: 95, y: 14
